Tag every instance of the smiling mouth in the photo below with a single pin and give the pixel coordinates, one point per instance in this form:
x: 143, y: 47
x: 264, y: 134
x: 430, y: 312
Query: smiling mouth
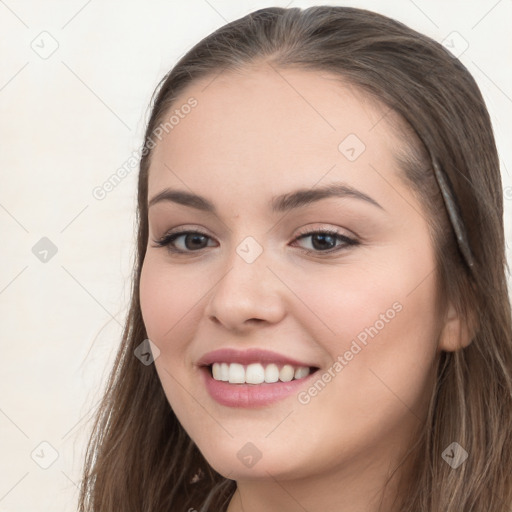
x: 257, y: 373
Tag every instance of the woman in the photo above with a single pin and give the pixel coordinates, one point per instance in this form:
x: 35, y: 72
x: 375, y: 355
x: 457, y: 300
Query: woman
x: 321, y: 273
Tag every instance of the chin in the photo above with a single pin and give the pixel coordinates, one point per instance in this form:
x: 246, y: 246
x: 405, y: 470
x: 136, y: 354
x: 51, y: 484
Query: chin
x: 247, y: 462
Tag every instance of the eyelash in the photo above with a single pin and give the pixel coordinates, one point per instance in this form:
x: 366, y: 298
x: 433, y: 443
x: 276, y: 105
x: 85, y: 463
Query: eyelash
x: 168, y: 239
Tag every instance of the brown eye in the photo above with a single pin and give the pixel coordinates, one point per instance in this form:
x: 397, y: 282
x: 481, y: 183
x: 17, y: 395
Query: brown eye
x: 326, y: 241
x: 184, y: 241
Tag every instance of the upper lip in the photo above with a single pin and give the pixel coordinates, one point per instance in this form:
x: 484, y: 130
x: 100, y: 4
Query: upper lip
x: 254, y: 355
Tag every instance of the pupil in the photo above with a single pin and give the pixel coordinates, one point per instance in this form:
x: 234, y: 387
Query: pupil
x: 323, y: 238
x: 320, y: 241
x: 196, y: 239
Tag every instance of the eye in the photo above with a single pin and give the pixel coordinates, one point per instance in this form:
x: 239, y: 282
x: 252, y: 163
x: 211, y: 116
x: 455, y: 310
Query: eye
x: 322, y: 241
x: 326, y: 241
x: 190, y: 241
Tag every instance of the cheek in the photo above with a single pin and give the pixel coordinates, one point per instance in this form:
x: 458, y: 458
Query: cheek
x: 168, y: 301
x: 347, y: 300
x: 382, y: 324
x: 169, y: 305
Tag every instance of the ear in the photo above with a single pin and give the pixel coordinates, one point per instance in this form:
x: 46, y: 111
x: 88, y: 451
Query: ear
x: 456, y: 332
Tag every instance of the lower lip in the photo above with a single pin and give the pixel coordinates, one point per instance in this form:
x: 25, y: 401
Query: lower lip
x: 251, y: 395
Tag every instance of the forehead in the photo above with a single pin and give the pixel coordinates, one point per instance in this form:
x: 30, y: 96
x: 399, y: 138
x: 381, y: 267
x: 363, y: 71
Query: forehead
x: 271, y: 125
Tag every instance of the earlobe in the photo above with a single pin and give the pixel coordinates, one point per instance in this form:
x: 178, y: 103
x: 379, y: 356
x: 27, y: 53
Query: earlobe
x: 456, y: 333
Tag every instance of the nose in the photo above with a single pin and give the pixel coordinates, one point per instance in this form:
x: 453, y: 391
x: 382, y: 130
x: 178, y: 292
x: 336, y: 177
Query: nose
x: 246, y: 296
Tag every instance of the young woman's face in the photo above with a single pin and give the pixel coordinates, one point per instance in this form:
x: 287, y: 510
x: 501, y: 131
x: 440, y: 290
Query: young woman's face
x: 356, y: 303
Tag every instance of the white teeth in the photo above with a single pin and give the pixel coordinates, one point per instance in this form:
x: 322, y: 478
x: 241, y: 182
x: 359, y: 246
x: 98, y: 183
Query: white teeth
x: 301, y: 372
x: 216, y: 371
x: 256, y: 373
x: 286, y: 373
x: 236, y: 373
x: 224, y: 372
x: 220, y: 371
x: 271, y: 373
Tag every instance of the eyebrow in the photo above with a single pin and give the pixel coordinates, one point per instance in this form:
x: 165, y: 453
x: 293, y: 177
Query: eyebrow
x: 281, y: 203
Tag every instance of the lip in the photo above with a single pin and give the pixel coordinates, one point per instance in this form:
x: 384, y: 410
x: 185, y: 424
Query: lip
x: 254, y: 355
x: 251, y: 395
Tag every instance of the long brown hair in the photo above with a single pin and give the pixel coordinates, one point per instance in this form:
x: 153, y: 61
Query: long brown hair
x: 139, y: 458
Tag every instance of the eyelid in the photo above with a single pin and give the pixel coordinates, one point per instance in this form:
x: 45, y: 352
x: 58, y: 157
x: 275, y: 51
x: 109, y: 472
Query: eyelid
x: 185, y: 228
x: 177, y: 232
x: 347, y: 241
x: 310, y: 229
x: 314, y: 228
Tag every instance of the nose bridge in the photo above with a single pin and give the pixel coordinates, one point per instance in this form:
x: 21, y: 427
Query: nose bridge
x: 248, y: 290
x: 247, y: 272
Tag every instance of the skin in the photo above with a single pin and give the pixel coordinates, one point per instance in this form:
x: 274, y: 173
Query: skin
x: 254, y: 135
